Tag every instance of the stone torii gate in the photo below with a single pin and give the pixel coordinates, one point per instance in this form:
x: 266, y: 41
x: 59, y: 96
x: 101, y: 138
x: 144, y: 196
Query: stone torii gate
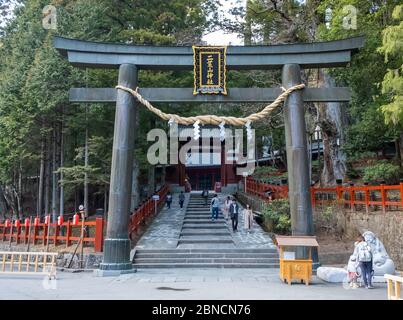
x: 129, y: 59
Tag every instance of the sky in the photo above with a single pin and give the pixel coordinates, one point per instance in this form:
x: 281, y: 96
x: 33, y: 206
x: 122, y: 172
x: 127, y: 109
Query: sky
x: 218, y: 37
x: 221, y: 38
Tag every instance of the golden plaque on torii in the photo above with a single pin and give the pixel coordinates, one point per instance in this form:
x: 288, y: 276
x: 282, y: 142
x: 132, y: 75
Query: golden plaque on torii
x: 209, y: 70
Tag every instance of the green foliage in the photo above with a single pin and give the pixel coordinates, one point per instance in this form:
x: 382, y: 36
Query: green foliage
x: 368, y: 135
x: 382, y: 171
x: 392, y: 84
x: 277, y: 215
x: 264, y: 172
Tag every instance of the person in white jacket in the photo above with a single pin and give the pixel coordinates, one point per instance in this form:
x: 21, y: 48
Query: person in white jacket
x: 363, y: 252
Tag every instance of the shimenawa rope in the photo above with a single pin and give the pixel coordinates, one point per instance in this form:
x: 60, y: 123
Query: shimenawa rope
x: 213, y: 119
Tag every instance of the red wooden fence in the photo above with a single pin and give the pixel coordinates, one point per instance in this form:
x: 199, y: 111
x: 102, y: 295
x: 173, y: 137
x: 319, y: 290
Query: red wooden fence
x: 39, y: 233
x: 371, y: 197
x: 145, y: 210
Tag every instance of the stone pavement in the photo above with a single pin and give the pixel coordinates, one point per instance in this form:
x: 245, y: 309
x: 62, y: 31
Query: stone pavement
x: 165, y: 229
x: 183, y: 284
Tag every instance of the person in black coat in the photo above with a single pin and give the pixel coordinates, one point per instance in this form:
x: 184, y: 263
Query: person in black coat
x: 234, y: 212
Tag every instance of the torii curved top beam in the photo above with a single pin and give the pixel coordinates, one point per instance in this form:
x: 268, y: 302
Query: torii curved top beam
x: 110, y: 55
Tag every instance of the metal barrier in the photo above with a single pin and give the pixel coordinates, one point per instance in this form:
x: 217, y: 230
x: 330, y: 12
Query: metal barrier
x: 394, y: 286
x: 28, y: 263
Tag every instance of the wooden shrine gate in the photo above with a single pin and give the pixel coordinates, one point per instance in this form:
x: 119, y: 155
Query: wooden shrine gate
x: 129, y: 59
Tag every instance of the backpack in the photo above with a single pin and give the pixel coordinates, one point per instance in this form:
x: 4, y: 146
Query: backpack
x: 364, y: 253
x: 169, y: 197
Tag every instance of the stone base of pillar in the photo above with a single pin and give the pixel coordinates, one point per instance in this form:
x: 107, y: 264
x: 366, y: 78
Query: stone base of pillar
x: 112, y: 273
x: 116, y: 255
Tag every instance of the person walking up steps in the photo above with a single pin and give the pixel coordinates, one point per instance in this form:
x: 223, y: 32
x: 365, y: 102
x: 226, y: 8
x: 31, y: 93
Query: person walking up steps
x: 234, y: 210
x: 215, y: 204
x: 181, y: 199
x: 169, y: 200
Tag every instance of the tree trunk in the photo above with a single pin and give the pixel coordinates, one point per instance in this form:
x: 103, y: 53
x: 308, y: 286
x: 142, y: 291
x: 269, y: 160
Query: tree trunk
x: 248, y: 26
x: 399, y: 151
x: 19, y: 193
x: 54, y: 178
x: 151, y: 180
x: 3, y: 203
x: 331, y: 123
x: 61, y: 165
x: 48, y: 169
x: 41, y: 179
x: 86, y: 165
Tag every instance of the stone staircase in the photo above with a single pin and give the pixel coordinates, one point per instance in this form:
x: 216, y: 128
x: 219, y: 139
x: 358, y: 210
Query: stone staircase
x: 198, y: 230
x: 206, y: 258
x: 204, y: 243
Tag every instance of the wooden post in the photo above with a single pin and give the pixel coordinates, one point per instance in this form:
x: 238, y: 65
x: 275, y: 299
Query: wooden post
x: 55, y: 241
x: 99, y: 232
x: 397, y: 290
x: 68, y: 234
x: 45, y: 234
x: 35, y: 234
x: 383, y: 198
x: 390, y: 288
x: 18, y: 235
x: 352, y: 197
x: 3, y: 235
x: 401, y: 194
x: 366, y: 198
x: 313, y: 200
x: 26, y: 233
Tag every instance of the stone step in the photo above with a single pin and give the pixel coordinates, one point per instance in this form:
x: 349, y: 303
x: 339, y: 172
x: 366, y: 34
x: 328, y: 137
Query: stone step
x: 233, y: 255
x: 216, y: 239
x: 204, y: 226
x: 207, y: 213
x: 198, y: 208
x: 204, y: 232
x: 205, y: 250
x: 205, y: 265
x: 191, y: 216
x: 206, y: 260
x: 204, y: 221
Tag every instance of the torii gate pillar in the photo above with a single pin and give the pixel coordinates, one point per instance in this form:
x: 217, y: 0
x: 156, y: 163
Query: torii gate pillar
x: 297, y: 156
x: 117, y: 244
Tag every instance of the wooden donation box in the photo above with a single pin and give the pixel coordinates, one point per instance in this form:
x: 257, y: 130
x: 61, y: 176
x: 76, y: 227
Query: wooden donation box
x: 292, y: 268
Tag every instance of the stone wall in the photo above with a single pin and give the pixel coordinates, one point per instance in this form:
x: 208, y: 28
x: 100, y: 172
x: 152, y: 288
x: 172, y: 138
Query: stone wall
x: 255, y: 203
x: 90, y: 260
x: 388, y: 227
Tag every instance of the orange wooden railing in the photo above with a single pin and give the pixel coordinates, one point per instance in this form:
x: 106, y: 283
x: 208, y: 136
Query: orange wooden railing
x: 43, y: 233
x: 263, y: 189
x: 145, y: 210
x: 370, y: 197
